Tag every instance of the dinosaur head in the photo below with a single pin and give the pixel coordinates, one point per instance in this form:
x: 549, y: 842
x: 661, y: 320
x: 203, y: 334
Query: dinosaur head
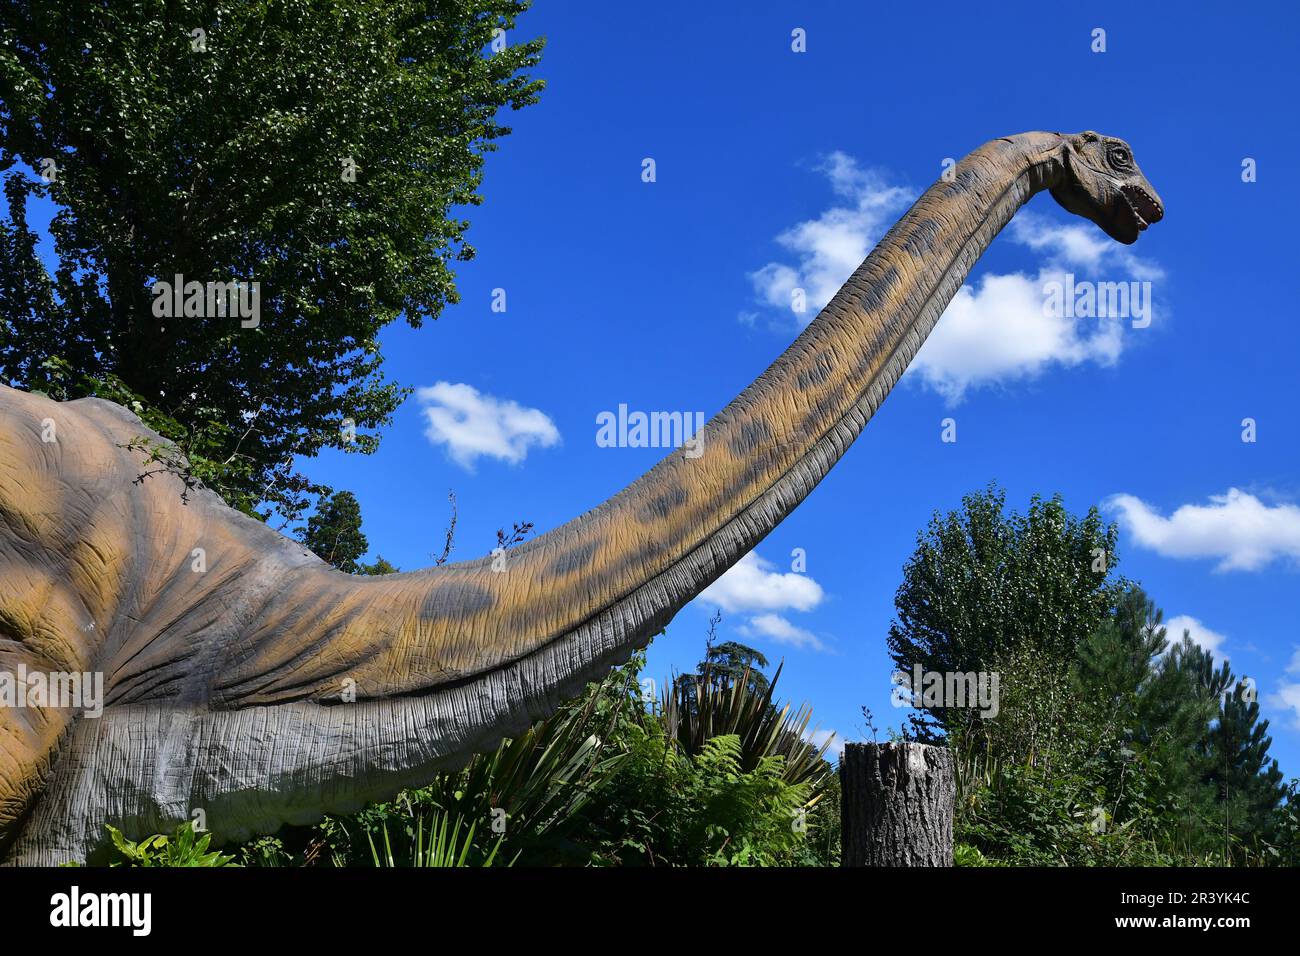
x: 1101, y: 181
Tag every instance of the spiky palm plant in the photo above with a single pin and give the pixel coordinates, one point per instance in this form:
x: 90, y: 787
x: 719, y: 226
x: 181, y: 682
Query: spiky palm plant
x: 513, y: 798
x: 698, y: 708
x: 445, y: 845
x: 531, y: 784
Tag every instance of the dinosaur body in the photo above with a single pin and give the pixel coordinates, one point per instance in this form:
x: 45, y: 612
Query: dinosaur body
x: 231, y: 688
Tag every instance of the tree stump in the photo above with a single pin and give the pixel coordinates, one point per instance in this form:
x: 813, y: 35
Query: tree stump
x: 896, y: 805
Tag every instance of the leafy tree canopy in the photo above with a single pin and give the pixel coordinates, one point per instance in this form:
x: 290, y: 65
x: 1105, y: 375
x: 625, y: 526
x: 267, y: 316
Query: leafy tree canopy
x: 1112, y: 741
x: 730, y: 662
x: 317, y: 148
x: 984, y: 586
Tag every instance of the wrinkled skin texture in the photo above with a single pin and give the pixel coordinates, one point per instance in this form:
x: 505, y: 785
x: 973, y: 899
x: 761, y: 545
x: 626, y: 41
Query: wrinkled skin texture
x: 267, y: 687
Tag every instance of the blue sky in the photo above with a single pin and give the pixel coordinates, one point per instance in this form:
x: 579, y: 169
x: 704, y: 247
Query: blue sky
x: 777, y: 169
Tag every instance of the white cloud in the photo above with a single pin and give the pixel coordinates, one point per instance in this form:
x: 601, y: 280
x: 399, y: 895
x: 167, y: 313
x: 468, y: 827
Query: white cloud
x: 1238, y: 529
x: 1287, y: 697
x: 1079, y: 244
x: 782, y: 631
x: 474, y: 425
x: 752, y: 584
x: 1000, y: 332
x: 831, y: 246
x: 996, y: 331
x: 753, y: 587
x: 1201, y: 635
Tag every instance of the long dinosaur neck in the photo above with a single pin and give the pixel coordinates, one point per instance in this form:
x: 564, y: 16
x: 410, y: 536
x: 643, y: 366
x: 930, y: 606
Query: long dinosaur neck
x: 443, y: 662
x: 622, y: 569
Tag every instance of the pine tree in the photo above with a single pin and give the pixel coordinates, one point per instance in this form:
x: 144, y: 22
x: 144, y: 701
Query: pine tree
x: 334, y: 532
x: 1151, y: 700
x: 1248, y: 787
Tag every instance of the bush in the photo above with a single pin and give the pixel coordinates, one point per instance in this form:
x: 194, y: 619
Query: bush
x: 184, y: 848
x: 716, y: 775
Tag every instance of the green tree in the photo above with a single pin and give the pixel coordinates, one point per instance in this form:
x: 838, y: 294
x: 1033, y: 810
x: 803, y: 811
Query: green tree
x: 729, y: 661
x: 724, y: 665
x: 317, y: 148
x: 1198, y: 723
x: 334, y: 532
x: 379, y: 566
x: 1286, y: 827
x: 1248, y: 786
x: 1112, y: 743
x: 1147, y: 694
x: 1091, y: 761
x: 986, y: 590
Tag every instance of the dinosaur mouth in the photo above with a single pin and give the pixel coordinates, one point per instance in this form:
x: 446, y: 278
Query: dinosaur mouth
x: 1146, y: 208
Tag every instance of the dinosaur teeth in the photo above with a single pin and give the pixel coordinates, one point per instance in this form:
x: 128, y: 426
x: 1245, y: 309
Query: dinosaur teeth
x: 1133, y: 208
x: 1146, y: 209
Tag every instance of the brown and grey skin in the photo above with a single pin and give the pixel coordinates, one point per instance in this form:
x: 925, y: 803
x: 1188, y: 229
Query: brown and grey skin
x: 228, y: 689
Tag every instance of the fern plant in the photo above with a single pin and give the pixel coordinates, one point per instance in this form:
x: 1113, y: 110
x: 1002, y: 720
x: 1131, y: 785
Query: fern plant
x: 746, y: 818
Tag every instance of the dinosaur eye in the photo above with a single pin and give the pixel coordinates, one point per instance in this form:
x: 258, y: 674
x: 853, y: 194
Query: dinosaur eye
x: 1119, y: 156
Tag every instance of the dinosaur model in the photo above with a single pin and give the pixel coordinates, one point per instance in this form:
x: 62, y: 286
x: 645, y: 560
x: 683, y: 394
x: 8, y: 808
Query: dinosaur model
x: 265, y: 687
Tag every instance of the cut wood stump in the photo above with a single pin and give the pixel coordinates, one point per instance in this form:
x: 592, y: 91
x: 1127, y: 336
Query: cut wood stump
x: 896, y: 805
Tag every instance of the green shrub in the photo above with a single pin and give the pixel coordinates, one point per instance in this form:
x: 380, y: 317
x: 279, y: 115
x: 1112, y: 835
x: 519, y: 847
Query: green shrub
x: 696, y: 709
x: 184, y: 848
x: 610, y: 779
x: 668, y: 808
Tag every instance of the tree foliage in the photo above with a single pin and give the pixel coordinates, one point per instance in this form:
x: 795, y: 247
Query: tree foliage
x: 1112, y: 744
x: 985, y: 588
x: 334, y: 532
x: 317, y: 148
x: 731, y: 662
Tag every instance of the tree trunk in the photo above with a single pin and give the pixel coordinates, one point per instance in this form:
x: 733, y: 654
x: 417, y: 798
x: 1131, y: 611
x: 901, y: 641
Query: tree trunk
x: 897, y: 804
